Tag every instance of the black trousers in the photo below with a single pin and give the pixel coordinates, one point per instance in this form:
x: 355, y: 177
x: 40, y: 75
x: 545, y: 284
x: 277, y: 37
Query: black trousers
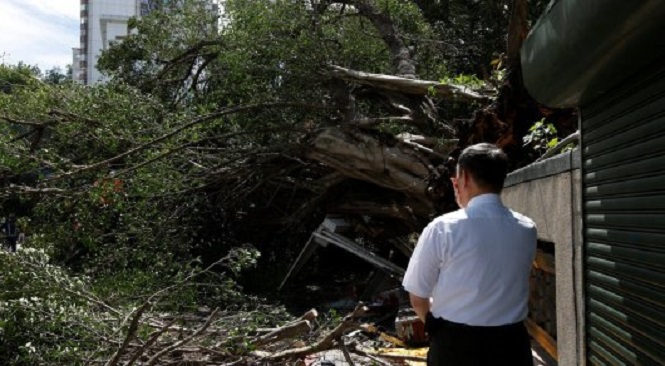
x: 11, y: 244
x: 454, y: 344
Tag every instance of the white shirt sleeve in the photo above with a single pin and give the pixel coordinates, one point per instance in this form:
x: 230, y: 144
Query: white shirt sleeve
x: 422, y: 273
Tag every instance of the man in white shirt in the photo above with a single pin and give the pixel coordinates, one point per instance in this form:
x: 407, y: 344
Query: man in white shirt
x: 468, y: 277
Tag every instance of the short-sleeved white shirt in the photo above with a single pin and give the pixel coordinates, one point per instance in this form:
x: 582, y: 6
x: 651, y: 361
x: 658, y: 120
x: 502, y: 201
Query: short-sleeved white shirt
x: 475, y: 263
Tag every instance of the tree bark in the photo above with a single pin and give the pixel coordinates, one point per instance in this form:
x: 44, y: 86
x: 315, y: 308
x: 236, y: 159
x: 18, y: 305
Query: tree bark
x: 365, y: 157
x: 517, y: 30
x: 288, y: 331
x: 408, y: 86
x: 400, y: 54
x: 380, y: 209
x: 328, y: 341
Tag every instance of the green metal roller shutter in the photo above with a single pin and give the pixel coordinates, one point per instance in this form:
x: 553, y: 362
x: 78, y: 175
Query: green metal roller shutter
x: 624, y: 222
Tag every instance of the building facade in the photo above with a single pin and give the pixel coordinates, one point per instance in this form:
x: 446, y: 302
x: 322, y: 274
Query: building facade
x: 103, y: 22
x: 607, y: 59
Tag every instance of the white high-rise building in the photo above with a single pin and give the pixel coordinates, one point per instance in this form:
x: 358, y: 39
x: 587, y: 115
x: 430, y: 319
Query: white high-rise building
x: 104, y: 21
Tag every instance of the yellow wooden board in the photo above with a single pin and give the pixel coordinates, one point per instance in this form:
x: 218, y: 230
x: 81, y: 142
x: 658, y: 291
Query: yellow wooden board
x: 409, y: 352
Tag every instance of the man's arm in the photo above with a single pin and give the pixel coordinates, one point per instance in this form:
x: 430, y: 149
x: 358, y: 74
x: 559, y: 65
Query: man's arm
x: 422, y: 274
x: 420, y: 306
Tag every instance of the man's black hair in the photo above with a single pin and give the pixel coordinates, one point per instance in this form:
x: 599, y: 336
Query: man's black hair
x: 487, y: 163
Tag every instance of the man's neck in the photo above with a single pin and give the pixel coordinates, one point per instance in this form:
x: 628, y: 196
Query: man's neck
x: 475, y: 194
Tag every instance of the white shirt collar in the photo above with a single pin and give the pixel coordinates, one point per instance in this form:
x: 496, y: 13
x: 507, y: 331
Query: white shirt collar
x: 483, y: 199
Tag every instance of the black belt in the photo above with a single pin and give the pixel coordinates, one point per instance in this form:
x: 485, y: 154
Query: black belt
x: 434, y: 324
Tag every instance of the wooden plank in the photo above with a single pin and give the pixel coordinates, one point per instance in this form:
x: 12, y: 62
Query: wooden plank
x: 545, y: 262
x: 353, y: 248
x: 336, y: 224
x: 542, y: 337
x: 306, y: 252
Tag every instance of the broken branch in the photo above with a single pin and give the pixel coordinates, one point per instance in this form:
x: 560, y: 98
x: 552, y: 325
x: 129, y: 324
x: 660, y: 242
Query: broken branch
x: 131, y: 332
x: 161, y: 353
x: 327, y: 342
x: 151, y: 340
x: 408, y: 86
x: 288, y: 331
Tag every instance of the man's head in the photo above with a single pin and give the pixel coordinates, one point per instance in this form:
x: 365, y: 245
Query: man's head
x: 481, y: 168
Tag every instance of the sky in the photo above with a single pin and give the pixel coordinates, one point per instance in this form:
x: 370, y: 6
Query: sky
x: 39, y: 32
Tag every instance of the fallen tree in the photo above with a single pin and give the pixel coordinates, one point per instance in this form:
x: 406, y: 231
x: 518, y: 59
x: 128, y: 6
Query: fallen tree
x: 256, y: 132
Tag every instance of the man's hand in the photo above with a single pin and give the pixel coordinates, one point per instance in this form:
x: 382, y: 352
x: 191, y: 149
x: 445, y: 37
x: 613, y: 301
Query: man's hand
x: 420, y: 306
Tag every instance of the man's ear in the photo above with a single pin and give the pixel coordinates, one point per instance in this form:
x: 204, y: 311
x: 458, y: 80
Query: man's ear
x: 467, y: 178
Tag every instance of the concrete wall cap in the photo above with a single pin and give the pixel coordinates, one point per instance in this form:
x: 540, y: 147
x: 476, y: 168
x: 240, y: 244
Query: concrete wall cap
x: 565, y: 162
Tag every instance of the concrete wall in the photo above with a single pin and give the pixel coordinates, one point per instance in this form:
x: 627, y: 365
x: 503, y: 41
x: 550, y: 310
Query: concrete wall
x: 549, y: 192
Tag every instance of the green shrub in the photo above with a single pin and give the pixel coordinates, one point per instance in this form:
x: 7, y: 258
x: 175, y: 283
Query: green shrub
x: 46, y: 316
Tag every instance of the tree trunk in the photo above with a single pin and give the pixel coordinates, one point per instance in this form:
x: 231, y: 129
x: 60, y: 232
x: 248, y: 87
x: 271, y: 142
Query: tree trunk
x: 368, y: 158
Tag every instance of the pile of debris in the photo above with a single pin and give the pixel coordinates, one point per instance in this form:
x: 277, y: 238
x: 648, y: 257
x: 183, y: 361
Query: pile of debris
x: 352, y: 341
x: 376, y: 331
x: 303, y: 341
x: 381, y: 331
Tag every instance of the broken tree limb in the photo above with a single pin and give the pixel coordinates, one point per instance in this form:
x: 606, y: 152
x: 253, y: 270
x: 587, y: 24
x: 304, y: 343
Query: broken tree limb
x: 360, y: 352
x: 345, y: 351
x: 431, y: 142
x: 418, y: 147
x: 204, y: 350
x: 306, y: 253
x: 310, y: 315
x: 131, y: 333
x: 435, y: 147
x: 288, y: 331
x: 153, y: 360
x: 327, y: 342
x: 196, y: 121
x: 151, y: 340
x: 408, y: 86
x: 240, y: 361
